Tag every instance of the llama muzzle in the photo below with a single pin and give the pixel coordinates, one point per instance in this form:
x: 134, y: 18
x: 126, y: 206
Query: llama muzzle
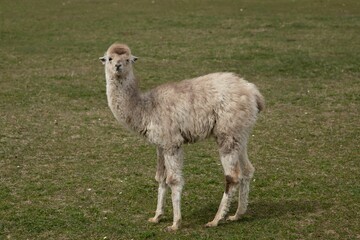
x: 118, y: 67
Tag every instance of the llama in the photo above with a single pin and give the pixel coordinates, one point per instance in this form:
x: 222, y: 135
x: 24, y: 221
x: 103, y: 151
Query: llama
x: 221, y: 105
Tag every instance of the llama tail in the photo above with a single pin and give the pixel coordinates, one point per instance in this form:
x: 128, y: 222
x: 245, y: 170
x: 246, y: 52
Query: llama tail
x: 260, y: 101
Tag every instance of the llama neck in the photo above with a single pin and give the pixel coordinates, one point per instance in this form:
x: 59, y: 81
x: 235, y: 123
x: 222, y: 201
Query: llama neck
x: 125, y: 101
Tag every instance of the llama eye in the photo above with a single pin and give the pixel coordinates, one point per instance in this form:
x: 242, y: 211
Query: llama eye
x: 127, y: 60
x: 110, y: 59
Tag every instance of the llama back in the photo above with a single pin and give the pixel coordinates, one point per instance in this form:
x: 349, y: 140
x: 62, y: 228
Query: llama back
x: 234, y: 90
x: 192, y: 109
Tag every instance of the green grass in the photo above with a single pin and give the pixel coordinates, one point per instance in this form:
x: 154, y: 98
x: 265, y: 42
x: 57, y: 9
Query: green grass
x: 69, y: 171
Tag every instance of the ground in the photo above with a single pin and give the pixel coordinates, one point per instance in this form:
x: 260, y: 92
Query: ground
x: 69, y: 171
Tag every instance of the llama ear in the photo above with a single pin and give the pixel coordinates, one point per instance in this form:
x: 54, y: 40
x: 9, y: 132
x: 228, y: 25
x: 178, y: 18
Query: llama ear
x: 103, y: 60
x: 133, y: 58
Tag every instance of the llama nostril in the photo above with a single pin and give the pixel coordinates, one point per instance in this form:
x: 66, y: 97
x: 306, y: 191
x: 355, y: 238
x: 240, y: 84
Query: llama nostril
x: 118, y: 66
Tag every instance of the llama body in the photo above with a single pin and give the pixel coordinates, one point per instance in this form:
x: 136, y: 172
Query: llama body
x: 221, y: 105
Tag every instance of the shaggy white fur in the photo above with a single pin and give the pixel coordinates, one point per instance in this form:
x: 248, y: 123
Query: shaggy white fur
x: 221, y: 105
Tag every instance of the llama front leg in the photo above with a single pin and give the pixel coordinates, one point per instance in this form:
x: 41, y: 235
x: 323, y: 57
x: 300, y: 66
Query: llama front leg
x: 160, y: 203
x: 176, y: 190
x: 174, y: 179
x: 160, y: 177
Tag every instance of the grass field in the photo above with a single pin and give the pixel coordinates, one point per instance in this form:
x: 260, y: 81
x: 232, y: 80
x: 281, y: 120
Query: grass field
x: 69, y: 171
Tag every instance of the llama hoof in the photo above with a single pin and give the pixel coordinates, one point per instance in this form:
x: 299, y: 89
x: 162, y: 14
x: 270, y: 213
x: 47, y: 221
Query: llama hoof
x: 211, y: 224
x: 233, y: 218
x: 171, y: 228
x: 154, y: 220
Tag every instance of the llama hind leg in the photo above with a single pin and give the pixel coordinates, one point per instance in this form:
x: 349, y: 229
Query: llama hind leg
x: 160, y: 177
x: 231, y: 167
x: 246, y: 173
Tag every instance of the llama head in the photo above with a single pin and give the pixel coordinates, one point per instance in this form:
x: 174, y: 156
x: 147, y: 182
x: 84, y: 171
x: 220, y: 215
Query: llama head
x: 118, y: 60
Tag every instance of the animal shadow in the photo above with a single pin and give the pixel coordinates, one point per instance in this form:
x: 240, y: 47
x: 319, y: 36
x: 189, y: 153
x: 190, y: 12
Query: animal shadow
x: 267, y: 210
x: 259, y: 210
